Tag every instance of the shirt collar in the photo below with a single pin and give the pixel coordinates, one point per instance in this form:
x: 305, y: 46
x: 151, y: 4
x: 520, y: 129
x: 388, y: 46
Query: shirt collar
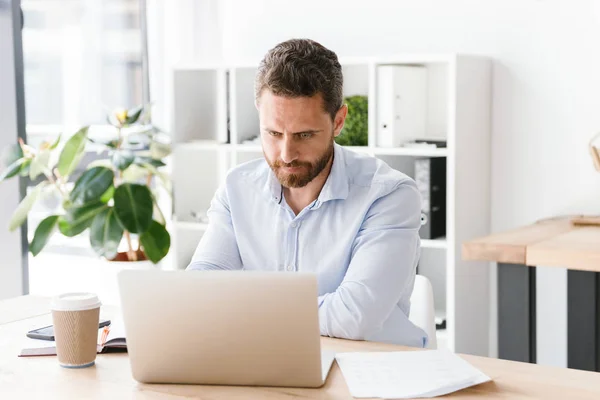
x: 336, y: 185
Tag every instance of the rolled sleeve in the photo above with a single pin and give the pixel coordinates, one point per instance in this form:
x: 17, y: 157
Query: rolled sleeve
x: 382, y: 267
x: 218, y: 249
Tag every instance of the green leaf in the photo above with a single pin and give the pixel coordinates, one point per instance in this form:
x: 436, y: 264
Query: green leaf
x: 122, y: 159
x: 159, y: 150
x: 112, y: 144
x: 106, y: 233
x: 20, y: 214
x: 156, y: 242
x: 133, y: 206
x: 150, y: 168
x: 100, y: 163
x: 134, y: 173
x: 157, y: 213
x: 43, y: 233
x: 73, y: 152
x: 13, y: 169
x: 55, y: 144
x: 133, y: 115
x: 79, y: 218
x: 356, y: 126
x: 25, y: 167
x: 39, y: 164
x: 149, y: 160
x: 166, y: 182
x: 11, y: 153
x: 92, y: 184
x: 108, y: 195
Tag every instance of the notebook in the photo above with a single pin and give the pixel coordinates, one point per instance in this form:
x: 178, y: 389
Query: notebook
x: 110, y: 339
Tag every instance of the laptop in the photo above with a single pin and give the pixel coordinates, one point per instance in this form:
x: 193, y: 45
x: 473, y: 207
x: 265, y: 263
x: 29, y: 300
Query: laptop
x: 223, y: 328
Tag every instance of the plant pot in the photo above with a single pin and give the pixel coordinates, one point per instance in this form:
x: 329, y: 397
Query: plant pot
x: 123, y: 257
x: 121, y: 262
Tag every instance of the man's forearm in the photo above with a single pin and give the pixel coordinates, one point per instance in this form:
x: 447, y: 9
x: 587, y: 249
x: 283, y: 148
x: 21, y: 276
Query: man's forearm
x: 204, y: 266
x: 343, y: 314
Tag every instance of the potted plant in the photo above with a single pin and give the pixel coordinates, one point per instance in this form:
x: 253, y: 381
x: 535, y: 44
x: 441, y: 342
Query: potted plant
x: 115, y: 197
x: 356, y: 127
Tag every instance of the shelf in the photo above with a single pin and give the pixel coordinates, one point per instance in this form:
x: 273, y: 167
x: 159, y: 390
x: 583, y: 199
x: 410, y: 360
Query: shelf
x: 360, y: 149
x: 215, y: 120
x: 257, y: 148
x: 410, y: 151
x: 434, y: 243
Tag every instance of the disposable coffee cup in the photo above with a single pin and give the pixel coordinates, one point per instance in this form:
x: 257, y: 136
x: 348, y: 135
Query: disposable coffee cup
x: 76, y: 317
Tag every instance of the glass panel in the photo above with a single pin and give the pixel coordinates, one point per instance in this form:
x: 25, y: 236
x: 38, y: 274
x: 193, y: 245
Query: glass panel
x: 82, y: 58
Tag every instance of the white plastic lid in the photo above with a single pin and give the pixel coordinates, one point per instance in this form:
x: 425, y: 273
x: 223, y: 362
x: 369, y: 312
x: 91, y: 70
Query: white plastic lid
x: 75, y: 302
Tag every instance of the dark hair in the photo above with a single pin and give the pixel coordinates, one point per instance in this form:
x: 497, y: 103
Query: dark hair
x: 302, y: 67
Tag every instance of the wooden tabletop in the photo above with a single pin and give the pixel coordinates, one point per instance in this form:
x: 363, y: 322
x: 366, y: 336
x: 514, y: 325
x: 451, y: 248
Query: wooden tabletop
x: 41, y: 377
x: 555, y: 242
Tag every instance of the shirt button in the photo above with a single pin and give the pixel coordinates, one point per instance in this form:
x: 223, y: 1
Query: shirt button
x: 294, y: 224
x: 290, y: 268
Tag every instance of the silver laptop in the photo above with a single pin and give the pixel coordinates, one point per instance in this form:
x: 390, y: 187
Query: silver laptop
x: 223, y: 327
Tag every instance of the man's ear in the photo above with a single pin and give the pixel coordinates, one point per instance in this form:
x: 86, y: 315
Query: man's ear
x: 340, y: 118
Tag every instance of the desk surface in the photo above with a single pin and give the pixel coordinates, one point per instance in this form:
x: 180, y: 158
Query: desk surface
x: 554, y: 242
x: 41, y: 377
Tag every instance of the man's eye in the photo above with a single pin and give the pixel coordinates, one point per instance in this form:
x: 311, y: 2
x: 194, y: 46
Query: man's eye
x: 306, y: 135
x: 274, y: 133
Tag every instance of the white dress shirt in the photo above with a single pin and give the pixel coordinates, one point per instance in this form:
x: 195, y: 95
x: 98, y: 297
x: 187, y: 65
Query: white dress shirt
x: 360, y: 236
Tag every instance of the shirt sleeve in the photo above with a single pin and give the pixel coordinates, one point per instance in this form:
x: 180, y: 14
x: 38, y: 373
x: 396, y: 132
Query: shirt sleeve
x: 218, y: 249
x: 382, y: 267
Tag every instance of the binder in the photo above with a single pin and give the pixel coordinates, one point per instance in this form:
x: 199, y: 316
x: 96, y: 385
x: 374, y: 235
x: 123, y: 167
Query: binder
x: 401, y: 104
x: 430, y: 177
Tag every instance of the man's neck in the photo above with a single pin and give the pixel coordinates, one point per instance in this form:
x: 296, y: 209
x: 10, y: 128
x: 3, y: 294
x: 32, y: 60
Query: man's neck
x: 299, y: 198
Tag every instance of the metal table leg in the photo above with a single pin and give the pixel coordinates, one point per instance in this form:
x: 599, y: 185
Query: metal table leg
x: 583, y: 331
x: 516, y: 312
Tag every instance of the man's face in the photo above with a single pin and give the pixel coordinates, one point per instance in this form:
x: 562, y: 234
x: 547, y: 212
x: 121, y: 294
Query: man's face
x: 297, y: 136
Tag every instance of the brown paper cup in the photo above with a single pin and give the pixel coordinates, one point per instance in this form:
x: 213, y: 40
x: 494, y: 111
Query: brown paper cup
x: 76, y: 317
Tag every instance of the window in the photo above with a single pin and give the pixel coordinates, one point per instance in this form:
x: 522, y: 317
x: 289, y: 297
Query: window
x: 82, y: 58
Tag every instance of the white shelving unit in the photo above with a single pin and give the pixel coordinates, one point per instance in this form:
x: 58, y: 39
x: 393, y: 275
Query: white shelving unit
x: 214, y: 117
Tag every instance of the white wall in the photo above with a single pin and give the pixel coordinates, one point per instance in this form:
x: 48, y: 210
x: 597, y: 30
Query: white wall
x: 546, y: 80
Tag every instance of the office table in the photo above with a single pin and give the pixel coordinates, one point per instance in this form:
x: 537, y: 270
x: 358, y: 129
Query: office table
x: 41, y: 377
x: 549, y: 243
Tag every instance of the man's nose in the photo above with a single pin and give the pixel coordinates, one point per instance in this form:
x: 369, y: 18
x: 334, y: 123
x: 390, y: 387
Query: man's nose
x: 288, y: 150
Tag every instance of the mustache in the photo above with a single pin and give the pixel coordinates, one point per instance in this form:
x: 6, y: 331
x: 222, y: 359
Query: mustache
x: 293, y: 164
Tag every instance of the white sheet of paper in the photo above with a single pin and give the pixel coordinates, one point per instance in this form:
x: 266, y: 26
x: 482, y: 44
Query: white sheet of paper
x: 327, y: 357
x: 407, y: 374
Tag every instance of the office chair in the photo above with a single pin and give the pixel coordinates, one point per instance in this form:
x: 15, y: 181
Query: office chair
x: 422, y: 310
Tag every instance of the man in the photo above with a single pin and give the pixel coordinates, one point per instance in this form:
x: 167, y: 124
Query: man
x: 312, y: 205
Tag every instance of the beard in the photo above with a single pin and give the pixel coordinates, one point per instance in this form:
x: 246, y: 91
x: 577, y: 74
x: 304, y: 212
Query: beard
x: 302, y: 178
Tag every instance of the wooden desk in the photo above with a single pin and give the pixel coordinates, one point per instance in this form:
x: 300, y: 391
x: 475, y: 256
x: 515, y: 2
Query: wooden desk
x: 549, y: 243
x: 41, y: 377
